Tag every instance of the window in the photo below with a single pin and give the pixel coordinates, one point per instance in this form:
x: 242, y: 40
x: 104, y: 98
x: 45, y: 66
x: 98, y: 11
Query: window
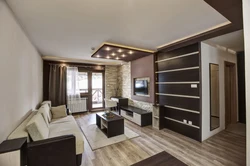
x: 83, y: 82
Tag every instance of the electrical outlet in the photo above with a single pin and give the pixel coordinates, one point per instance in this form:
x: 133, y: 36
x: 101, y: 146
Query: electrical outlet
x: 184, y: 120
x: 193, y: 85
x: 190, y: 122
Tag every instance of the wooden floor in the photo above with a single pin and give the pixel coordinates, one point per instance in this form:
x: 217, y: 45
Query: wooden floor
x: 225, y: 148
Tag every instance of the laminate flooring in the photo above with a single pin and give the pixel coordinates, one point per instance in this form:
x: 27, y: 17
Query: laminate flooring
x: 223, y: 149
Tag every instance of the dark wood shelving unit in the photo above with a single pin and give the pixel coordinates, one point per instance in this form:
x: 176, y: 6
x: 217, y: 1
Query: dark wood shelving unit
x: 178, y: 90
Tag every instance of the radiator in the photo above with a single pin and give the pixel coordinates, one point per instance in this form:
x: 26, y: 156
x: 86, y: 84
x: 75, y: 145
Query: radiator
x: 77, y: 105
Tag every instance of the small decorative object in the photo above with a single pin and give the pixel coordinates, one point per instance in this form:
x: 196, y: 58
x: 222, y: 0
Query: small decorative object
x: 108, y: 113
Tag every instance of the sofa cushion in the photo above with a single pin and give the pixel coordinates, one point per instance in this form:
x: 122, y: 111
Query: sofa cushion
x: 62, y: 120
x: 45, y: 111
x: 68, y: 127
x: 46, y: 102
x: 21, y: 131
x: 59, y: 112
x: 37, y: 128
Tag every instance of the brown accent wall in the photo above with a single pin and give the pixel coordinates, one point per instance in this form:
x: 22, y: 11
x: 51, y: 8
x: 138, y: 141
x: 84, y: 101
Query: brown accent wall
x: 143, y: 67
x: 241, y: 87
x: 178, y: 100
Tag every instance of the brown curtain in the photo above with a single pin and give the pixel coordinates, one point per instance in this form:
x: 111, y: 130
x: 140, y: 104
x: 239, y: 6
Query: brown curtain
x: 57, y: 84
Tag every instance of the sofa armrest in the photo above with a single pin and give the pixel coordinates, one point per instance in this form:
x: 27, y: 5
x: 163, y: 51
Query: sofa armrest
x: 53, y: 152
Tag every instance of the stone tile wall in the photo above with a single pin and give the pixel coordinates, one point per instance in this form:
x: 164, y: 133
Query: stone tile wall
x: 110, y: 81
x: 118, y: 83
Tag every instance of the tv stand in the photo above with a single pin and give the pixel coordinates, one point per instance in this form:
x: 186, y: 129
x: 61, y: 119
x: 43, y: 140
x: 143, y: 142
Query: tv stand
x: 137, y: 115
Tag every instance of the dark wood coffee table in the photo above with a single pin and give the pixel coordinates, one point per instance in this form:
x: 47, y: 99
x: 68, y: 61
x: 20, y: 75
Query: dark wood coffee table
x: 110, y: 126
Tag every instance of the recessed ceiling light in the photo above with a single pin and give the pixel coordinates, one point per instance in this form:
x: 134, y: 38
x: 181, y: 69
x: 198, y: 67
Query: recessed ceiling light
x: 117, y: 58
x: 108, y: 57
x: 130, y: 52
x: 98, y: 56
x: 107, y: 48
x: 123, y: 55
x: 120, y: 50
x: 113, y: 54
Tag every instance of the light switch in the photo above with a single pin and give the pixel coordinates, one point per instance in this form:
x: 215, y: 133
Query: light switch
x: 193, y: 85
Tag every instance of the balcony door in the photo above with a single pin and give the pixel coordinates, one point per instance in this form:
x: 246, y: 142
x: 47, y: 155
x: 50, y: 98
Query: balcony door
x: 97, y: 90
x: 91, y: 85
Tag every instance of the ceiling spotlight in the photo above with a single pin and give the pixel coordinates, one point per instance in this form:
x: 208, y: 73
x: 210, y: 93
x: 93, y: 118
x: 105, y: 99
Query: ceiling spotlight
x: 117, y: 58
x: 130, y: 52
x: 123, y: 55
x: 108, y: 49
x: 108, y: 57
x: 120, y: 50
x: 98, y: 56
x: 113, y: 54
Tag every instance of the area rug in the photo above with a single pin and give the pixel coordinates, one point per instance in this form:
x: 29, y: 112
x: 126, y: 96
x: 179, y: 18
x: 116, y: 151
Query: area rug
x: 97, y: 139
x: 162, y: 158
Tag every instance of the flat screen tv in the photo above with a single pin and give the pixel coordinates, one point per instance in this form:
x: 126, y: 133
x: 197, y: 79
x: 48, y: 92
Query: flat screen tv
x: 141, y: 87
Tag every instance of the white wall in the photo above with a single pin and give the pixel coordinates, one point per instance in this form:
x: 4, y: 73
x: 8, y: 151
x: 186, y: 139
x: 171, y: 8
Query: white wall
x: 20, y: 73
x: 211, y: 54
x: 246, y: 17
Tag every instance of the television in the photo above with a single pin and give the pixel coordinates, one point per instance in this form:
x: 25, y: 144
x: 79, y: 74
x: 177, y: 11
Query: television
x: 141, y: 87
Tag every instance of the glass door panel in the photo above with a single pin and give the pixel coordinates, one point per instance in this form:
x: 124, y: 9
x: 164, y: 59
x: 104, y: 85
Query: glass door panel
x: 83, y: 82
x: 97, y: 90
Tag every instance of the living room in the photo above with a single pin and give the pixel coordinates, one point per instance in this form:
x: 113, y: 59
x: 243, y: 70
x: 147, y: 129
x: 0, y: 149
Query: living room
x: 84, y: 86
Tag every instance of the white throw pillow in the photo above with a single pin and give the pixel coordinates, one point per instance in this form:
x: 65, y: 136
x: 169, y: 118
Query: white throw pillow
x: 45, y: 115
x: 45, y: 110
x: 59, y: 111
x: 46, y: 102
x: 37, y: 128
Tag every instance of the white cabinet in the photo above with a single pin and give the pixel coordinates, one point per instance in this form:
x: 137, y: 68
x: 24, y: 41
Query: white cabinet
x: 137, y: 119
x: 132, y: 116
x: 137, y: 115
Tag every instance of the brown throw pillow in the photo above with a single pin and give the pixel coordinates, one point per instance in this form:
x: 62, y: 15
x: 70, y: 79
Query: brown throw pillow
x: 59, y: 111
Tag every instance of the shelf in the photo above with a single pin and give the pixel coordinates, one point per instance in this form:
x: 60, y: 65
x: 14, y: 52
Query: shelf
x: 182, y: 122
x: 104, y: 124
x: 180, y: 69
x: 176, y: 57
x: 182, y: 109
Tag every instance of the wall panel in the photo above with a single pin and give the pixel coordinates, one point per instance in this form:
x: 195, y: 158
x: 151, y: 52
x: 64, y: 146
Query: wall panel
x: 181, y: 102
x: 184, y: 62
x: 179, y: 76
x: 178, y: 89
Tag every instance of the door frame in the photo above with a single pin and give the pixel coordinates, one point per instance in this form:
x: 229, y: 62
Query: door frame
x: 89, y: 94
x: 103, y: 91
x: 230, y: 110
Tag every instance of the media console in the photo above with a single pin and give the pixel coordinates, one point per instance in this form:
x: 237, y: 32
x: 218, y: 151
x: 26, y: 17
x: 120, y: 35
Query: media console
x: 137, y: 115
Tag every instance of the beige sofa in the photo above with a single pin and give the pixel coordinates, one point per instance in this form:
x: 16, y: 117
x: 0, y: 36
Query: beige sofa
x: 40, y: 125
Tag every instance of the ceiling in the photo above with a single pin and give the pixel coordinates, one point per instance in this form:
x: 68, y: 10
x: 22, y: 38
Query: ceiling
x: 67, y: 29
x: 233, y: 41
